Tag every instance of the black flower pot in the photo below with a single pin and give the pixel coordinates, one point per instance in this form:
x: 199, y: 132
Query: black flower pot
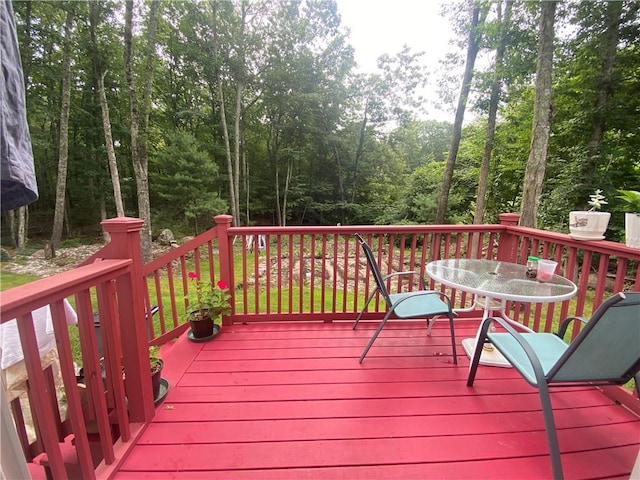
x: 155, y: 376
x: 202, y: 328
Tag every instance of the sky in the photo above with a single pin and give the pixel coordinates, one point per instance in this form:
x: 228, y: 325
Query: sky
x: 384, y: 26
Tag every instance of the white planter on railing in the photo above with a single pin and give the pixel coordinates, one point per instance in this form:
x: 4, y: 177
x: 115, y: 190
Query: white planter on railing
x: 632, y: 229
x: 585, y: 225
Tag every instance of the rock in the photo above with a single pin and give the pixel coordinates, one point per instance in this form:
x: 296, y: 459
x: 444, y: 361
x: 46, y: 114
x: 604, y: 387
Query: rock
x: 49, y: 252
x: 166, y: 238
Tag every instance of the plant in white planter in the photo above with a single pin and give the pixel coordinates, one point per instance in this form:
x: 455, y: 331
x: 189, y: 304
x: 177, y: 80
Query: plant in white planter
x: 631, y: 217
x: 590, y: 224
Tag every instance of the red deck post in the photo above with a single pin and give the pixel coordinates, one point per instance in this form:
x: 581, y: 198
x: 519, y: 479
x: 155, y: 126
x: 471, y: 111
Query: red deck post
x: 125, y: 243
x: 225, y: 253
x: 508, y: 244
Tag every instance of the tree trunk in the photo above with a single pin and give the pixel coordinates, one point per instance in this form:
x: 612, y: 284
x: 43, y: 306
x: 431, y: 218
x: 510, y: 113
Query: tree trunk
x: 238, y: 111
x: 19, y: 229
x: 111, y: 153
x: 21, y: 237
x: 340, y: 174
x: 274, y: 153
x: 285, y: 193
x: 481, y: 197
x: 236, y: 150
x: 472, y: 52
x: 10, y: 221
x: 233, y: 193
x: 247, y: 189
x: 227, y: 149
x: 245, y: 171
x: 63, y: 148
x: 106, y: 121
x: 359, y: 150
x: 604, y: 87
x: 536, y: 163
x: 140, y: 119
x: 103, y: 216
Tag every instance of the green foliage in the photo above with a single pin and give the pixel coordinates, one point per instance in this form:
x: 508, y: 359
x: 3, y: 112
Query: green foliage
x: 631, y: 199
x: 154, y: 352
x: 185, y: 178
x: 210, y: 300
x: 320, y: 143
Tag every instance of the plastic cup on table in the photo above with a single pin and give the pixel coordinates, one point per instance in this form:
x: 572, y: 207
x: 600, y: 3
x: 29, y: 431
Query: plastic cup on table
x: 546, y: 269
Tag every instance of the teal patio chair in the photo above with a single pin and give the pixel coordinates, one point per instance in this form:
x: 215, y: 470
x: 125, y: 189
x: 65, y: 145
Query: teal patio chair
x: 427, y: 304
x: 605, y: 352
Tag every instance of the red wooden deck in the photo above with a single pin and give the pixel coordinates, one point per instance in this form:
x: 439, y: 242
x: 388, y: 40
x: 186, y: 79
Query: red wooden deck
x: 290, y: 401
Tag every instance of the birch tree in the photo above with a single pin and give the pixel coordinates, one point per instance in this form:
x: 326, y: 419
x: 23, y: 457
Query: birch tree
x: 233, y: 185
x: 63, y: 148
x: 139, y: 113
x: 99, y: 74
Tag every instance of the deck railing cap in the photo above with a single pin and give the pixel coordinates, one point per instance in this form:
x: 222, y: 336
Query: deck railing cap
x: 122, y: 224
x: 509, y: 218
x: 223, y: 218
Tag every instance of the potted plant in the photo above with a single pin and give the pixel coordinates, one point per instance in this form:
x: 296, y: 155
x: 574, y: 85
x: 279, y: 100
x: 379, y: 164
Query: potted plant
x: 590, y: 224
x: 156, y: 364
x: 212, y: 302
x: 631, y: 217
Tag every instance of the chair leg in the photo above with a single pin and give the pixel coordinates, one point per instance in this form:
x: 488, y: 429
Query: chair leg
x: 475, y: 360
x: 550, y: 427
x: 364, y: 309
x: 375, y: 335
x: 430, y: 322
x: 453, y: 340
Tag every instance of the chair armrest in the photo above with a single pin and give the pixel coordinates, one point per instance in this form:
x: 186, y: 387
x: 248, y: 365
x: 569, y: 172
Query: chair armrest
x: 423, y: 282
x: 565, y: 324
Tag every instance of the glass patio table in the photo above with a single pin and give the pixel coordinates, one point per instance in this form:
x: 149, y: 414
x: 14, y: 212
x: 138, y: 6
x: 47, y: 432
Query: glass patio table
x: 497, y: 281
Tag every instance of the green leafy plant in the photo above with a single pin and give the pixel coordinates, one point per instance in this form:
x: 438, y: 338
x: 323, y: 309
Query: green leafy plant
x: 631, y: 199
x: 212, y: 301
x: 154, y: 359
x: 596, y: 201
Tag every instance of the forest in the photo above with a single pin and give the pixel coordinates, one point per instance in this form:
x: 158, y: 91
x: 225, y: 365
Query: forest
x: 175, y: 111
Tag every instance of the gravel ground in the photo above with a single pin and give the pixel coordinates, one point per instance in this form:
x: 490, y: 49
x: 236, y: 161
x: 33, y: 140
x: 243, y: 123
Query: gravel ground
x: 36, y: 264
x: 65, y: 259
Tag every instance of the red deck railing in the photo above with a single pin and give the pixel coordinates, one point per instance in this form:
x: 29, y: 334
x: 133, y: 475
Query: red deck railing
x: 302, y: 274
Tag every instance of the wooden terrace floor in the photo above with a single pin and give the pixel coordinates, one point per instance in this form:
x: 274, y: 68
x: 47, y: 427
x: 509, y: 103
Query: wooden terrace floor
x: 283, y: 401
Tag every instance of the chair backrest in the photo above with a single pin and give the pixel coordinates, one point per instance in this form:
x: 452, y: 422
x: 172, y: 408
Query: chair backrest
x: 373, y: 266
x: 607, y: 349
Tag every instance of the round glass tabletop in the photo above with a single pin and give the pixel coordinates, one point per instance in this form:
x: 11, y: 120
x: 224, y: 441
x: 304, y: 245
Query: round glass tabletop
x: 499, y: 280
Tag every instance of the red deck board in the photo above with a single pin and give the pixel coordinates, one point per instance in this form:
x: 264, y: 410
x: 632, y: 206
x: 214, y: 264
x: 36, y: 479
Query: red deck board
x: 359, y: 375
x: 259, y: 393
x: 299, y: 405
x: 347, y: 452
x: 434, y: 351
x: 206, y: 410
x: 331, y: 342
x: 370, y: 427
x: 582, y: 465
